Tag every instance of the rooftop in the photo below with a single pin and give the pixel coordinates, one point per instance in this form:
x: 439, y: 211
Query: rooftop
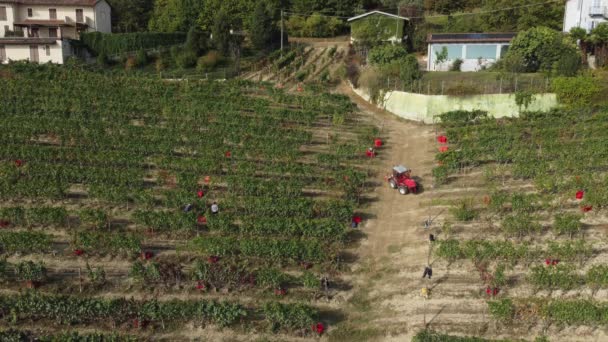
x: 471, y: 37
x: 373, y: 12
x: 53, y: 2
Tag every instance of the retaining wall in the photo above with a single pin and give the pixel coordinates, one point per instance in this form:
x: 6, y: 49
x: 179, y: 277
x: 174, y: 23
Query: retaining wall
x: 424, y: 108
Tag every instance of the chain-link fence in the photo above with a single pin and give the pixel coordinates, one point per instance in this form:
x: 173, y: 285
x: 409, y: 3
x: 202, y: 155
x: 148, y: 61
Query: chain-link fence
x: 463, y: 87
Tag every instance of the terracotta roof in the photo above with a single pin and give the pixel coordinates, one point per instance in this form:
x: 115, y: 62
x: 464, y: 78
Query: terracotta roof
x: 30, y: 22
x: 53, y: 2
x: 27, y: 41
x: 470, y: 37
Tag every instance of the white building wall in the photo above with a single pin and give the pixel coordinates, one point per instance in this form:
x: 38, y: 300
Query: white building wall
x: 10, y: 18
x: 67, y: 13
x: 103, y: 17
x: 22, y: 53
x: 578, y: 14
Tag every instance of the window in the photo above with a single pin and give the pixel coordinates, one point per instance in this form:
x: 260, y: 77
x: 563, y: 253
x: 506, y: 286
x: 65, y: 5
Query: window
x: 48, y: 50
x: 454, y: 50
x: 53, y: 32
x: 481, y: 51
x: 3, y: 13
x: 34, y: 32
x: 52, y: 13
x: 30, y: 12
x: 79, y: 16
x: 2, y: 53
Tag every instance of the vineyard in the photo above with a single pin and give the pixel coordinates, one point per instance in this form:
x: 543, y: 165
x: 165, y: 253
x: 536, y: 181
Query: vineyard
x: 108, y: 184
x: 528, y: 220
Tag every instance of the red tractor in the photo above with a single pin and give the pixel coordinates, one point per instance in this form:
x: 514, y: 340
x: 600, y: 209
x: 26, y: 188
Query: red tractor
x: 402, y: 180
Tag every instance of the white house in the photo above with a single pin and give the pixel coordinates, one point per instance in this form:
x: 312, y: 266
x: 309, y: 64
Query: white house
x: 476, y: 50
x: 586, y: 14
x: 386, y: 26
x: 40, y: 30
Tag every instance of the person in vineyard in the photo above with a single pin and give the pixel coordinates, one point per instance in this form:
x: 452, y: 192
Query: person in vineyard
x: 427, y: 271
x: 431, y: 238
x: 370, y: 153
x: 215, y: 208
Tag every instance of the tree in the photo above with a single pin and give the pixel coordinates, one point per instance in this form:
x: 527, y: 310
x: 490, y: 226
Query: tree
x: 541, y: 48
x: 386, y: 53
x: 130, y: 15
x: 263, y: 33
x: 196, y: 41
x: 441, y: 56
x: 174, y: 15
x: 521, y: 16
x: 221, y: 31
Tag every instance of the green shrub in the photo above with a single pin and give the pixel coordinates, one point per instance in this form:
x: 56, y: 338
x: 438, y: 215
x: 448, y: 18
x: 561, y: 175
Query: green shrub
x: 209, y: 61
x: 118, y: 43
x: 186, y: 59
x: 30, y: 271
x: 310, y: 280
x: 464, y: 211
x: 576, y: 92
x: 449, y: 250
x: 301, y: 75
x: 557, y: 277
x: 520, y: 225
x: 502, y: 309
x: 567, y: 224
x: 456, y: 65
x: 386, y: 53
x: 141, y: 58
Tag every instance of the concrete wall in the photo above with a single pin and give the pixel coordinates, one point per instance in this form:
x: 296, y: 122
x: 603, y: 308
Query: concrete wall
x: 424, y: 108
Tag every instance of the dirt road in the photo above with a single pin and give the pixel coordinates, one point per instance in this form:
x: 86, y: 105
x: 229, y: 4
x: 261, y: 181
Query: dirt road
x: 386, y: 304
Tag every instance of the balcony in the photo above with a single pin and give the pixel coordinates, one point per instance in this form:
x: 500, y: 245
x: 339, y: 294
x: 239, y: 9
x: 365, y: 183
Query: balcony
x: 598, y: 11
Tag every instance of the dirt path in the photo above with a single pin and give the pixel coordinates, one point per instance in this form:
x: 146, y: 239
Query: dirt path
x: 387, y: 279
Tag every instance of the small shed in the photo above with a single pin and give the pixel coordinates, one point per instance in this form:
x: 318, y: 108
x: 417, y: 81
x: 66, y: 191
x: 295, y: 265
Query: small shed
x: 378, y: 26
x: 477, y: 51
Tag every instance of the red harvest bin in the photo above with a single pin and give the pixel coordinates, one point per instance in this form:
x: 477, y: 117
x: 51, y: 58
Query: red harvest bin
x: 201, y: 220
x: 586, y: 208
x: 442, y: 139
x: 378, y: 143
x: 443, y: 149
x: 228, y: 154
x: 580, y: 194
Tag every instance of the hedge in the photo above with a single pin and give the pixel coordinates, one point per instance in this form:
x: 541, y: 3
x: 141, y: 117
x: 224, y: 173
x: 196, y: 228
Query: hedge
x: 117, y: 43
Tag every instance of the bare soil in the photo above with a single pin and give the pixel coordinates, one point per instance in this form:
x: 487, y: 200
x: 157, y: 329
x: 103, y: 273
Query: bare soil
x: 385, y: 302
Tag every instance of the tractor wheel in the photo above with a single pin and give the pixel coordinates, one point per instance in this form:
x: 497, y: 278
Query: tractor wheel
x: 392, y: 184
x: 403, y: 190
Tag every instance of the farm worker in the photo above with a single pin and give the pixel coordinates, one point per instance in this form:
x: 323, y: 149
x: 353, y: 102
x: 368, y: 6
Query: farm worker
x: 370, y: 153
x: 554, y: 262
x: 495, y: 291
x: 215, y: 208
x: 355, y: 222
x: 428, y: 271
x: 188, y: 207
x: 425, y: 293
x: 431, y: 238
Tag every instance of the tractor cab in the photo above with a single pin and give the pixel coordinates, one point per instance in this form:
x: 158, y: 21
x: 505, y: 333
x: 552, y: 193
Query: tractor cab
x: 401, y: 179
